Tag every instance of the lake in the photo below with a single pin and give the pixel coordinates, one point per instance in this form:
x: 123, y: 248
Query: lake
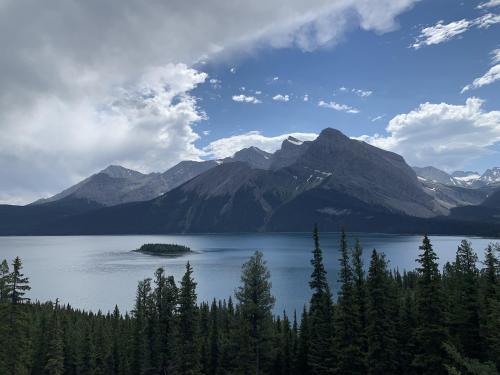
x: 97, y: 272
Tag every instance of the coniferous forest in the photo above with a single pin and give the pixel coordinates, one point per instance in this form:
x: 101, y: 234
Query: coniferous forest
x: 424, y: 321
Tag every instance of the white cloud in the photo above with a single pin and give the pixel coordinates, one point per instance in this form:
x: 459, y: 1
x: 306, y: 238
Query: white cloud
x: 216, y: 83
x: 362, y: 93
x: 147, y: 126
x: 441, y: 33
x: 488, y: 78
x: 71, y: 59
x: 306, y: 98
x: 444, y: 135
x: 233, y: 70
x: 489, y: 4
x: 495, y: 55
x: 343, y: 88
x: 225, y: 147
x: 281, y: 98
x: 338, y: 107
x: 444, y: 32
x: 258, y: 92
x: 246, y: 99
x: 276, y: 78
x: 376, y: 118
x: 487, y: 20
x: 492, y: 75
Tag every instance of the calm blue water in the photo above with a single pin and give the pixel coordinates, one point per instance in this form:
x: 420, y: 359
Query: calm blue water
x: 97, y: 272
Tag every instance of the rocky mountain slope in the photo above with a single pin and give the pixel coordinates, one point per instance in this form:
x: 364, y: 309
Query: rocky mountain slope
x: 334, y: 181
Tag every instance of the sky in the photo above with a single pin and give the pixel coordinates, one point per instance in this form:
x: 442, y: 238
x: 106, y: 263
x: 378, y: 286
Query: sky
x: 86, y: 83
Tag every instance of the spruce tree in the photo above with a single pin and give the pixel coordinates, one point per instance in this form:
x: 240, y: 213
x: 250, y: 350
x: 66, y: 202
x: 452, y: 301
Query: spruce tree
x: 188, y: 351
x: 380, y: 330
x: 490, y: 304
x: 320, y: 354
x: 55, y: 352
x: 256, y: 301
x: 431, y: 331
x: 302, y: 366
x: 465, y: 314
x: 4, y: 281
x: 348, y: 341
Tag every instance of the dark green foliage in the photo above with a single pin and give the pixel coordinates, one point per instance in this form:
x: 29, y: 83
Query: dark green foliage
x: 431, y: 329
x: 320, y: 358
x: 187, y: 353
x: 381, y: 328
x: 256, y: 301
x: 384, y: 323
x: 163, y: 249
x: 348, y: 322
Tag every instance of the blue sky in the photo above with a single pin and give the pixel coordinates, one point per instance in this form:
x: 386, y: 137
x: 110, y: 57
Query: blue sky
x: 86, y: 84
x: 399, y: 77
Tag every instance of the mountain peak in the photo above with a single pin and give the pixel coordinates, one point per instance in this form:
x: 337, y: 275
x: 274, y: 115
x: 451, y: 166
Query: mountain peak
x: 117, y: 171
x: 329, y: 133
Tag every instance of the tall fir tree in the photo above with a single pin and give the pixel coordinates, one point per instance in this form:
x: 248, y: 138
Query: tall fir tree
x: 464, y: 317
x: 188, y: 350
x: 381, y: 329
x: 431, y: 330
x: 55, y: 352
x: 256, y: 300
x: 320, y: 357
x: 490, y: 304
x: 348, y: 341
x: 4, y: 281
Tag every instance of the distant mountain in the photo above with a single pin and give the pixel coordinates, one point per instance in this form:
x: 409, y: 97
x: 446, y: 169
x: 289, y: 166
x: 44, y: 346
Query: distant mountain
x: 433, y: 174
x: 491, y: 176
x: 253, y: 156
x: 467, y: 179
x: 116, y: 185
x: 291, y: 149
x: 334, y: 181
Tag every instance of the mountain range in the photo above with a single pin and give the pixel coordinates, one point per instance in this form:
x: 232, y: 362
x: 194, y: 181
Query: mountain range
x: 334, y: 181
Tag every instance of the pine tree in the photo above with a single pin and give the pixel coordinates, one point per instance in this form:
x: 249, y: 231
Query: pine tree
x: 188, y: 354
x: 55, y: 354
x: 320, y: 354
x: 17, y: 284
x: 256, y: 300
x: 347, y: 322
x: 4, y: 280
x: 380, y: 331
x: 465, y: 314
x: 430, y: 332
x: 302, y: 367
x: 490, y: 304
x: 18, y: 350
x: 359, y: 290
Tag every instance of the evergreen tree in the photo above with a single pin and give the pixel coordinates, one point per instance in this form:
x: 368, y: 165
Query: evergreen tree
x: 256, y: 300
x: 347, y: 323
x: 380, y: 331
x: 55, y: 353
x: 430, y: 332
x: 188, y: 355
x: 465, y: 314
x: 321, y: 354
x: 302, y: 366
x: 17, y: 284
x: 4, y: 281
x: 490, y: 304
x: 359, y: 290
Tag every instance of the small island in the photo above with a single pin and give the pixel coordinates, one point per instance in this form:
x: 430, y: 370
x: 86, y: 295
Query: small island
x: 163, y: 249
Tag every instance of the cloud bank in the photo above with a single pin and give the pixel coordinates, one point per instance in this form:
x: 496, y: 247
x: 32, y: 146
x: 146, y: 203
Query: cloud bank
x: 88, y: 83
x: 444, y: 135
